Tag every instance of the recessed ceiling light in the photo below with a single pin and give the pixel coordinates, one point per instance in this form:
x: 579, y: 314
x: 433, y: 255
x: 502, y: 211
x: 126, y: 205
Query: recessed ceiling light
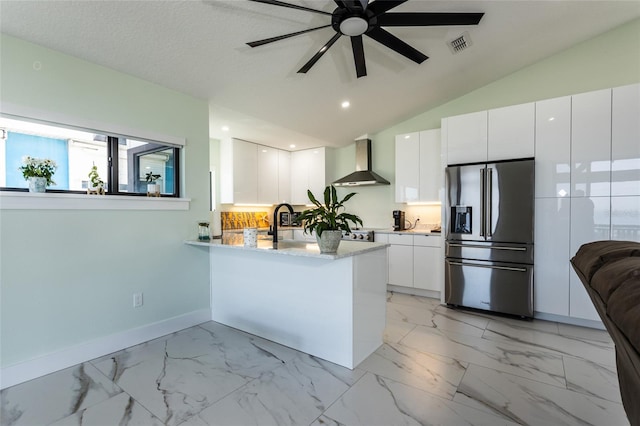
x: 407, y: 136
x: 225, y: 128
x: 292, y: 146
x: 345, y: 104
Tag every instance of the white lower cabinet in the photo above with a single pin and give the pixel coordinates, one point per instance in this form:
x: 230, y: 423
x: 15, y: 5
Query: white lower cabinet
x: 415, y: 261
x: 401, y: 265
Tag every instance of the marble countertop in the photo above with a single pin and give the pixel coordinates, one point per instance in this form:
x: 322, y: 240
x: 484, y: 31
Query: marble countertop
x: 290, y: 247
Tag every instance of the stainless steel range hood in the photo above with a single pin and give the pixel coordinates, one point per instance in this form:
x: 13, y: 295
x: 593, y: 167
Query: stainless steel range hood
x: 363, y: 174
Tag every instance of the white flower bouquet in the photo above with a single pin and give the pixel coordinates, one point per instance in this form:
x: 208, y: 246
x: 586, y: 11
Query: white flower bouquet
x: 36, y: 167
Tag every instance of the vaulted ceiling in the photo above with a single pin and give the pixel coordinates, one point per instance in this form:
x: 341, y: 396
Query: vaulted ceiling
x: 198, y: 47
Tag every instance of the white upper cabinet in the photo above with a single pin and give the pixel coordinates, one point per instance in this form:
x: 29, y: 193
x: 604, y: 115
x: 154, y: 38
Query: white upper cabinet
x: 591, y: 144
x: 431, y: 175
x: 284, y: 176
x: 511, y: 132
x: 253, y: 174
x: 308, y: 171
x: 625, y: 140
x: 418, y: 168
x: 268, y: 184
x: 238, y: 172
x: 553, y: 147
x: 467, y: 138
x: 407, y: 167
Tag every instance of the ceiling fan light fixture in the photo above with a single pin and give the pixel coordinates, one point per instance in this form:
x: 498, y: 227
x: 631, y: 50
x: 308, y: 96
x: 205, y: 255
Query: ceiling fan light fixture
x: 354, y: 26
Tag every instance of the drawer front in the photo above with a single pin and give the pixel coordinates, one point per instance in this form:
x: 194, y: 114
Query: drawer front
x: 491, y: 286
x: 427, y: 240
x: 490, y: 251
x: 401, y: 239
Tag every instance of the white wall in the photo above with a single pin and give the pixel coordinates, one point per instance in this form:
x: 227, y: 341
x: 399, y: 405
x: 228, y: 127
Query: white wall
x: 67, y: 276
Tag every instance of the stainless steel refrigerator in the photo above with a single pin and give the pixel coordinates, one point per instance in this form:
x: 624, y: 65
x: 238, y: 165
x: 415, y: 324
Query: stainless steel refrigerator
x: 489, y: 236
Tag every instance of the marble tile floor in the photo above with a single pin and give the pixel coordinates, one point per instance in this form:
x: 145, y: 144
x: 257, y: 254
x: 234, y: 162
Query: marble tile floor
x: 437, y: 366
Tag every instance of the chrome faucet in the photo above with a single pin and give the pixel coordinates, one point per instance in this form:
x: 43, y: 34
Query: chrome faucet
x: 274, y: 232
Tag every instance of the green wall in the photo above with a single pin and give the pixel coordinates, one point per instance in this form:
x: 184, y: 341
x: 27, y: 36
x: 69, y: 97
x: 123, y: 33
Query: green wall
x: 67, y: 276
x: 609, y: 60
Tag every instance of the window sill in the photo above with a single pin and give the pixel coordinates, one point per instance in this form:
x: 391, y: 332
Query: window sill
x: 57, y: 201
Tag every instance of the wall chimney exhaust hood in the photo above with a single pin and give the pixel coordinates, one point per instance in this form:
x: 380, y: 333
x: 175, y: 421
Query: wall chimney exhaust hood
x: 363, y: 174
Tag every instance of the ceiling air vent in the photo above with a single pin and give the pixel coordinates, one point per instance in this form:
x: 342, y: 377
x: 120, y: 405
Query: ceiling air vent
x: 460, y: 43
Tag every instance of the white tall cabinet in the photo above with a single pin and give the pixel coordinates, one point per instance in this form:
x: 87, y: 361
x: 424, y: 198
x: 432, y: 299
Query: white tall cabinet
x: 587, y: 188
x: 418, y: 172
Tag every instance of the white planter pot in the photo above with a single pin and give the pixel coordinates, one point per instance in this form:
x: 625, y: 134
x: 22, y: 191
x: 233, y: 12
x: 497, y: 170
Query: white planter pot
x: 153, y: 188
x: 37, y: 184
x: 329, y: 241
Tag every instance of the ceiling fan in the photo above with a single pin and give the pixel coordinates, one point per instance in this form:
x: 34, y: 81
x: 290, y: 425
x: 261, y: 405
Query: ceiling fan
x: 355, y: 18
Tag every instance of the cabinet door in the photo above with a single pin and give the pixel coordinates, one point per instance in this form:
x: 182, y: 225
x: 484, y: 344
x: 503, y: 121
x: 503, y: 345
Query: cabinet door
x: 380, y: 238
x: 284, y: 176
x: 299, y: 177
x: 316, y: 172
x: 430, y: 166
x: 407, y: 167
x: 591, y: 144
x: 625, y: 141
x: 467, y: 138
x: 590, y: 221
x: 428, y: 268
x: 267, y: 175
x: 552, y: 254
x: 553, y: 147
x: 511, y: 132
x: 625, y: 218
x: 401, y: 265
x: 245, y: 172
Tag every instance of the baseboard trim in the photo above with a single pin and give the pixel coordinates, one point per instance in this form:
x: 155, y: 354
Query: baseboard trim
x: 43, y: 365
x: 414, y: 291
x: 569, y: 320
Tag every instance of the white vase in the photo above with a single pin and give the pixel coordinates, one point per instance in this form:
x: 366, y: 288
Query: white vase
x: 329, y: 241
x: 37, y: 184
x: 153, y: 188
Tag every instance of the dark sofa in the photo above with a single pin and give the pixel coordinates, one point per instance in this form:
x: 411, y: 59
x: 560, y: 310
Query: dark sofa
x: 610, y: 271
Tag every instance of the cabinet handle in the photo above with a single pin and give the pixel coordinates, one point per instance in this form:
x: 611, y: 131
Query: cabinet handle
x: 483, y: 201
x: 489, y: 247
x: 477, y: 265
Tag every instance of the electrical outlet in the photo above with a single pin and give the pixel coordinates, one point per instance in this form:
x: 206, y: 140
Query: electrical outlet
x: 137, y: 300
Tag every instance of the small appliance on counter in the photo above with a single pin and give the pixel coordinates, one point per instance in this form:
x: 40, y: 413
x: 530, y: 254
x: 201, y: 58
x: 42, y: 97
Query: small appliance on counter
x: 398, y: 220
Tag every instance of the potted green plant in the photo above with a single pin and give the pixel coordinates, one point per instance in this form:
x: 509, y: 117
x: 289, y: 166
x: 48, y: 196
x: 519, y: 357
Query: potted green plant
x: 152, y: 186
x: 38, y: 172
x: 96, y: 185
x: 327, y: 220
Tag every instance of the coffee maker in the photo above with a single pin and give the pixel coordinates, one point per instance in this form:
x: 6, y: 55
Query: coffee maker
x: 398, y: 220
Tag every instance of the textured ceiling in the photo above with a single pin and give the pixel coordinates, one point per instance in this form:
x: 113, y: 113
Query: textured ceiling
x: 198, y: 47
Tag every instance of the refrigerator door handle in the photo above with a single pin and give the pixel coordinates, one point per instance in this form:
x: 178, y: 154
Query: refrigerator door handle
x: 483, y: 205
x: 503, y: 268
x: 489, y: 247
x: 488, y: 203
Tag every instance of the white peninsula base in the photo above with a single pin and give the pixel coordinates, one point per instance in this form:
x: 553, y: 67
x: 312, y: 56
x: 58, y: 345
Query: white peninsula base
x: 330, y: 308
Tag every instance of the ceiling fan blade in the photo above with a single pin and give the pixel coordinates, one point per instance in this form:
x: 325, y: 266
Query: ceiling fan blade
x: 394, y: 43
x: 358, y: 56
x: 306, y: 67
x: 428, y: 19
x: 282, y: 37
x: 381, y: 6
x: 291, y: 6
x: 353, y: 5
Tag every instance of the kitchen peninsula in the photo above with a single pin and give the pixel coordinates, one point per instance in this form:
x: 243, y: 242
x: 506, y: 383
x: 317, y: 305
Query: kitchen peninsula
x: 328, y: 305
